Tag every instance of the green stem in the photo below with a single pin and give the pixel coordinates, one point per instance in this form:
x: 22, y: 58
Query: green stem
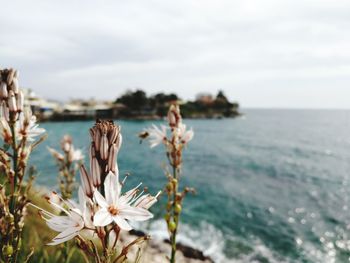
x: 15, y: 160
x: 15, y: 236
x: 173, y: 235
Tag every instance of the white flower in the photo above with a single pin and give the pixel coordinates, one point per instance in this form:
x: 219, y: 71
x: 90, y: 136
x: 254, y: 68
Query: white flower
x: 56, y: 154
x: 70, y: 224
x: 156, y: 135
x: 184, y: 135
x: 27, y: 126
x: 78, y: 155
x: 75, y: 155
x: 5, y: 129
x: 146, y: 201
x: 116, y: 207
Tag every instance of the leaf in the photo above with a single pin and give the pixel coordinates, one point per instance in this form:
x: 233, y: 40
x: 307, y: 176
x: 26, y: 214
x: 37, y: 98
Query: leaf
x: 29, y: 255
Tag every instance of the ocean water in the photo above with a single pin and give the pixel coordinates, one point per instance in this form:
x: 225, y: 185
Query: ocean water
x: 272, y: 186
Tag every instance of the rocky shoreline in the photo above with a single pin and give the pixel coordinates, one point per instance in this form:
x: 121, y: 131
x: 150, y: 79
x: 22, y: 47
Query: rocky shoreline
x: 156, y: 251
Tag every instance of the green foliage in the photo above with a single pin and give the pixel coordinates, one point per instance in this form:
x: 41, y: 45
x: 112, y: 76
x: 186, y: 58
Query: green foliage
x: 138, y: 103
x: 36, y: 235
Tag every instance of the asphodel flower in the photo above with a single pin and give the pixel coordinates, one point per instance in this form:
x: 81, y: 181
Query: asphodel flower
x: 118, y: 208
x: 184, y: 135
x: 70, y: 225
x: 27, y: 126
x: 156, y: 135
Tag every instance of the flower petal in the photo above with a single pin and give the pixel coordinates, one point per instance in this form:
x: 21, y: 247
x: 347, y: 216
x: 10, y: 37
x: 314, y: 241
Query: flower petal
x: 102, y: 218
x: 121, y: 222
x: 64, y: 236
x: 135, y: 213
x: 101, y: 201
x: 112, y: 188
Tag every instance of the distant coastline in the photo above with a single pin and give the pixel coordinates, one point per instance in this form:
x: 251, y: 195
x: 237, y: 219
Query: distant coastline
x: 134, y: 105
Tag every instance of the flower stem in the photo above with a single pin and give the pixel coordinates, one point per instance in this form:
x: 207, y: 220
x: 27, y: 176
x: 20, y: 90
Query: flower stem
x: 14, y: 166
x: 173, y: 235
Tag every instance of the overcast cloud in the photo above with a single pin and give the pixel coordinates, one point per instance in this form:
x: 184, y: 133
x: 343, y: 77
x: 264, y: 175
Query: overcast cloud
x: 272, y: 53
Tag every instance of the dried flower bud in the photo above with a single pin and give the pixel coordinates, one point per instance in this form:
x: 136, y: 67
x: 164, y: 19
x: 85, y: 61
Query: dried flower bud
x: 3, y: 91
x: 12, y: 102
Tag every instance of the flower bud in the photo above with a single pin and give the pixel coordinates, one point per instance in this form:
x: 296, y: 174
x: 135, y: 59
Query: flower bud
x: 56, y: 154
x: 174, y: 117
x: 96, y: 172
x: 20, y: 101
x: 12, y: 102
x: 15, y: 85
x: 92, y: 152
x: 112, y: 158
x: 85, y: 181
x: 66, y: 143
x: 119, y: 142
x: 171, y: 226
x: 169, y: 187
x: 9, y: 218
x: 174, y: 182
x: 16, y: 74
x: 178, y: 209
x: 3, y: 91
x: 7, y: 250
x: 10, y: 76
x: 113, y: 135
x: 5, y: 113
x: 71, y: 154
x: 167, y: 217
x: 104, y: 147
x: 97, y: 139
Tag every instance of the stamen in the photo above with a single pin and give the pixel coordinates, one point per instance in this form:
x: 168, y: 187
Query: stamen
x: 113, y: 211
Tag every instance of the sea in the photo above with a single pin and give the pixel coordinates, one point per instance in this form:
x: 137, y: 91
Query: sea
x: 271, y: 186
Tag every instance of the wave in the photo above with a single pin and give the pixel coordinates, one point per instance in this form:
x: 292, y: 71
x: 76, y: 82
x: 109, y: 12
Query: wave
x: 213, y: 243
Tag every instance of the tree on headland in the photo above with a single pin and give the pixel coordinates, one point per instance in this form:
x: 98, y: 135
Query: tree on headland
x: 138, y: 103
x: 136, y: 100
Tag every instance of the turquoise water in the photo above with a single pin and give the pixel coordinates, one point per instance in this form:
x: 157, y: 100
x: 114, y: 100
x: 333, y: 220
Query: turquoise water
x: 272, y: 186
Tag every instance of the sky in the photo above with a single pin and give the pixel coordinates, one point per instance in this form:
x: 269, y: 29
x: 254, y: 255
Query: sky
x: 271, y: 53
